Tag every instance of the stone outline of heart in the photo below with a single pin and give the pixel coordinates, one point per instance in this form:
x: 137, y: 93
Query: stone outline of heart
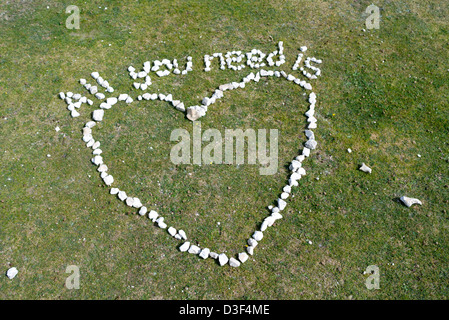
x: 295, y: 166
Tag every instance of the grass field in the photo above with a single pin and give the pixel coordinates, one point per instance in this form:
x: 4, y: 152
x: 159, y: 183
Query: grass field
x: 383, y: 93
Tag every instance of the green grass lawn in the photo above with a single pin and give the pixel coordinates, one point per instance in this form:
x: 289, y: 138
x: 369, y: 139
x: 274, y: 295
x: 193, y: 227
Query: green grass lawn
x: 383, y: 93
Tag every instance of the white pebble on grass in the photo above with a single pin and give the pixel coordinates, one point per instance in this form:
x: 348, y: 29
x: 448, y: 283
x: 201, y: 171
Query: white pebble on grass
x: 184, y: 247
x: 222, y: 259
x: 234, y: 262
x: 243, y: 257
x: 204, y: 253
x: 12, y: 272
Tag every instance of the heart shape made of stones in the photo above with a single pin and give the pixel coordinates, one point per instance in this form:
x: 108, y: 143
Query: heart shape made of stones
x: 192, y: 113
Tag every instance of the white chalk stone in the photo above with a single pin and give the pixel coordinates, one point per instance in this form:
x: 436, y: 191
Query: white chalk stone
x: 90, y: 124
x: 295, y: 165
x: 93, y: 90
x: 222, y: 259
x: 87, y: 130
x: 96, y: 145
x: 129, y: 100
x: 306, y: 152
x: 257, y: 235
x: 410, y: 201
x: 311, y: 144
x: 293, y: 180
x: 98, y: 114
x: 250, y: 250
x: 311, y: 119
x: 152, y: 215
x: 137, y: 204
x: 263, y: 73
x: 129, y: 201
x: 205, y: 253
x: 181, y: 107
x: 234, y: 263
x: 309, y: 134
x: 213, y: 255
x: 122, y: 195
x: 143, y: 210
x: 90, y: 143
x: 365, y: 168
x: 102, y: 168
x: 281, y: 204
x: 312, y: 97
x: 276, y: 215
x: 193, y: 113
x: 100, y: 96
x: 87, y: 137
x: 97, y: 160
x: 122, y: 97
x: 184, y: 247
x: 194, y: 249
x: 243, y: 257
x: 172, y: 231
x: 12, y: 272
x: 252, y: 242
x: 114, y: 191
x: 108, y: 180
x: 309, y: 113
x: 270, y: 220
x: 182, y: 234
x: 111, y: 101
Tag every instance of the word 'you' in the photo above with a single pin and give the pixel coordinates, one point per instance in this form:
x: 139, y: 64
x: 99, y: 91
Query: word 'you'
x: 234, y: 60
